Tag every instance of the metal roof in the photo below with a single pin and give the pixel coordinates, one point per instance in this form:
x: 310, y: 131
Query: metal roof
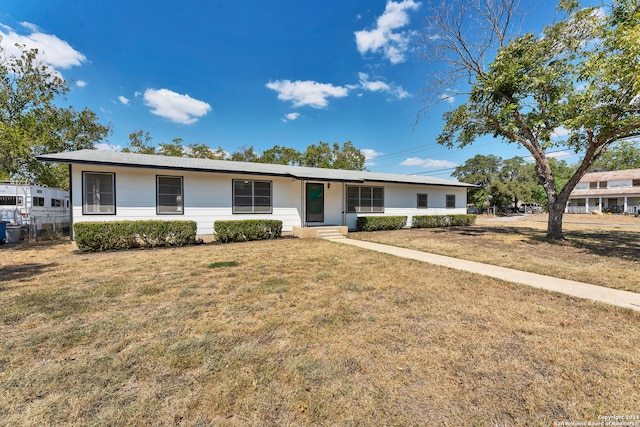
x: 611, y: 175
x: 153, y: 161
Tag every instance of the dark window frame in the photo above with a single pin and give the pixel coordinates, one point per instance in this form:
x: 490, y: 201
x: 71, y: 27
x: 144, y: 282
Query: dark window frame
x: 252, y: 197
x: 361, y: 199
x: 425, y: 202
x: 448, y: 203
x: 179, y: 206
x: 85, y: 211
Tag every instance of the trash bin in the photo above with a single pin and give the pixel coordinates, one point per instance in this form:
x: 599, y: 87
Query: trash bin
x: 3, y: 232
x: 13, y: 233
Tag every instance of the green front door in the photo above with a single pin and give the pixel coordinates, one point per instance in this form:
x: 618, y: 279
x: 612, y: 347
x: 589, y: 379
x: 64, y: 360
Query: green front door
x: 315, y: 202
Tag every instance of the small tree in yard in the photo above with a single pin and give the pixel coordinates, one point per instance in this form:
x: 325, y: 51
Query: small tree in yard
x: 582, y: 75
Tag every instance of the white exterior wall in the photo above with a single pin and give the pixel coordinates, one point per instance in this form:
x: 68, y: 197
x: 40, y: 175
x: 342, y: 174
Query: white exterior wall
x: 402, y: 200
x: 207, y: 197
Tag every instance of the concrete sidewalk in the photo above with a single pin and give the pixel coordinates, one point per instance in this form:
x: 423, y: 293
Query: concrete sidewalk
x: 624, y: 299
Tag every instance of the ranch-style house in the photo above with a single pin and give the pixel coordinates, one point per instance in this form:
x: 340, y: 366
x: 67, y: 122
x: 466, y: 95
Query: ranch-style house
x: 116, y: 186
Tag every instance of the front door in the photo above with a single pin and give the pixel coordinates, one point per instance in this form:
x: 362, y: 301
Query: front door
x: 315, y: 202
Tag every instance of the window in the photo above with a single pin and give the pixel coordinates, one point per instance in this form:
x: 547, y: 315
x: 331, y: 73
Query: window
x: 636, y: 183
x: 169, y: 198
x: 451, y: 201
x: 251, y: 196
x: 593, y: 185
x: 98, y: 193
x: 56, y: 203
x: 365, y: 199
x: 38, y: 201
x: 603, y: 184
x: 10, y: 201
x: 423, y: 201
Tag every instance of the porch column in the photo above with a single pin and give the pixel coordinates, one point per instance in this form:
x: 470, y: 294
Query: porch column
x: 625, y: 205
x: 600, y: 203
x: 586, y: 205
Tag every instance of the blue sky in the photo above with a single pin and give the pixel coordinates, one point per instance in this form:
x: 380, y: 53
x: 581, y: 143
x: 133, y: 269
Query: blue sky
x: 261, y: 73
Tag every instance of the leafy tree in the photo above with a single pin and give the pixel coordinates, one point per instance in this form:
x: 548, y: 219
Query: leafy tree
x: 479, y: 170
x: 582, y: 74
x: 280, y: 156
x: 140, y: 143
x: 621, y: 155
x: 322, y: 155
x: 33, y: 123
x: 175, y: 149
x: 245, y: 154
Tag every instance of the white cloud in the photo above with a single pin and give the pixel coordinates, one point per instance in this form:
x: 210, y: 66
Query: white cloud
x: 174, y: 106
x: 307, y: 93
x: 52, y: 51
x: 428, y: 163
x: 560, y: 154
x: 383, y: 38
x: 380, y: 86
x: 370, y: 154
x: 560, y: 132
x: 123, y: 100
x: 290, y: 117
x: 137, y: 94
x: 107, y: 147
x: 448, y: 97
x: 81, y: 83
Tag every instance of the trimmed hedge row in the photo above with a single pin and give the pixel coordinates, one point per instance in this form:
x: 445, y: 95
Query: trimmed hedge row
x: 375, y: 223
x: 433, y: 221
x: 102, y: 236
x: 249, y: 229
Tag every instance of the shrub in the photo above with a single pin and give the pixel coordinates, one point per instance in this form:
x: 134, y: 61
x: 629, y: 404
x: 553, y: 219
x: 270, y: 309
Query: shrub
x: 101, y: 236
x: 249, y: 229
x: 434, y: 221
x: 375, y: 223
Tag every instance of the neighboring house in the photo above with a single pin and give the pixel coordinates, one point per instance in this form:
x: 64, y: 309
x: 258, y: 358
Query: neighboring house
x: 615, y: 191
x: 116, y: 186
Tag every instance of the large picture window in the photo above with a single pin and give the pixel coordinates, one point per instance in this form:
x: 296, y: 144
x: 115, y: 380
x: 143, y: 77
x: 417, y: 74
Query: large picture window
x: 251, y: 196
x: 365, y: 199
x: 98, y: 193
x: 169, y: 199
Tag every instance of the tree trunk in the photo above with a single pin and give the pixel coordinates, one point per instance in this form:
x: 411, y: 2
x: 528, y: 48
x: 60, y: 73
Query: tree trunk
x: 554, y: 225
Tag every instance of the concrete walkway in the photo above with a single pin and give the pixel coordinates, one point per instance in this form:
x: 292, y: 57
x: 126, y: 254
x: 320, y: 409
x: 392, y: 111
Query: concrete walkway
x: 624, y: 299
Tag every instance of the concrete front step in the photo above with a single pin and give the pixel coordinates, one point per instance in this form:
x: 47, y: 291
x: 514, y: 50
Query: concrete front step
x: 322, y: 232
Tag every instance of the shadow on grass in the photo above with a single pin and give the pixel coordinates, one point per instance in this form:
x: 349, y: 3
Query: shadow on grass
x: 22, y: 271
x: 613, y: 244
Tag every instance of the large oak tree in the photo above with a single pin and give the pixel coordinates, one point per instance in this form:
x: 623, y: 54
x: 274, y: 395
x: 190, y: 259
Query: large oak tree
x: 581, y: 75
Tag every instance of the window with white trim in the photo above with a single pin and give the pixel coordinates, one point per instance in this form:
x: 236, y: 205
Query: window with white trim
x: 252, y: 196
x: 423, y: 201
x: 365, y: 199
x: 98, y: 193
x: 169, y: 199
x: 451, y: 201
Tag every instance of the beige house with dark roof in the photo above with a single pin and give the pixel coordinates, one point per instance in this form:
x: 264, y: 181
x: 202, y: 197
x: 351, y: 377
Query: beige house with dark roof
x: 614, y: 191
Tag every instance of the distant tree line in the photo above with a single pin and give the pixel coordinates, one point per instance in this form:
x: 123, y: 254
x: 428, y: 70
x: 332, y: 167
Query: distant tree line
x: 506, y: 183
x: 321, y: 155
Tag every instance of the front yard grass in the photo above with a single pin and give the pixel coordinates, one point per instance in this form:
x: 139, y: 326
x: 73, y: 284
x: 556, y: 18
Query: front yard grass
x: 594, y: 252
x: 299, y: 332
